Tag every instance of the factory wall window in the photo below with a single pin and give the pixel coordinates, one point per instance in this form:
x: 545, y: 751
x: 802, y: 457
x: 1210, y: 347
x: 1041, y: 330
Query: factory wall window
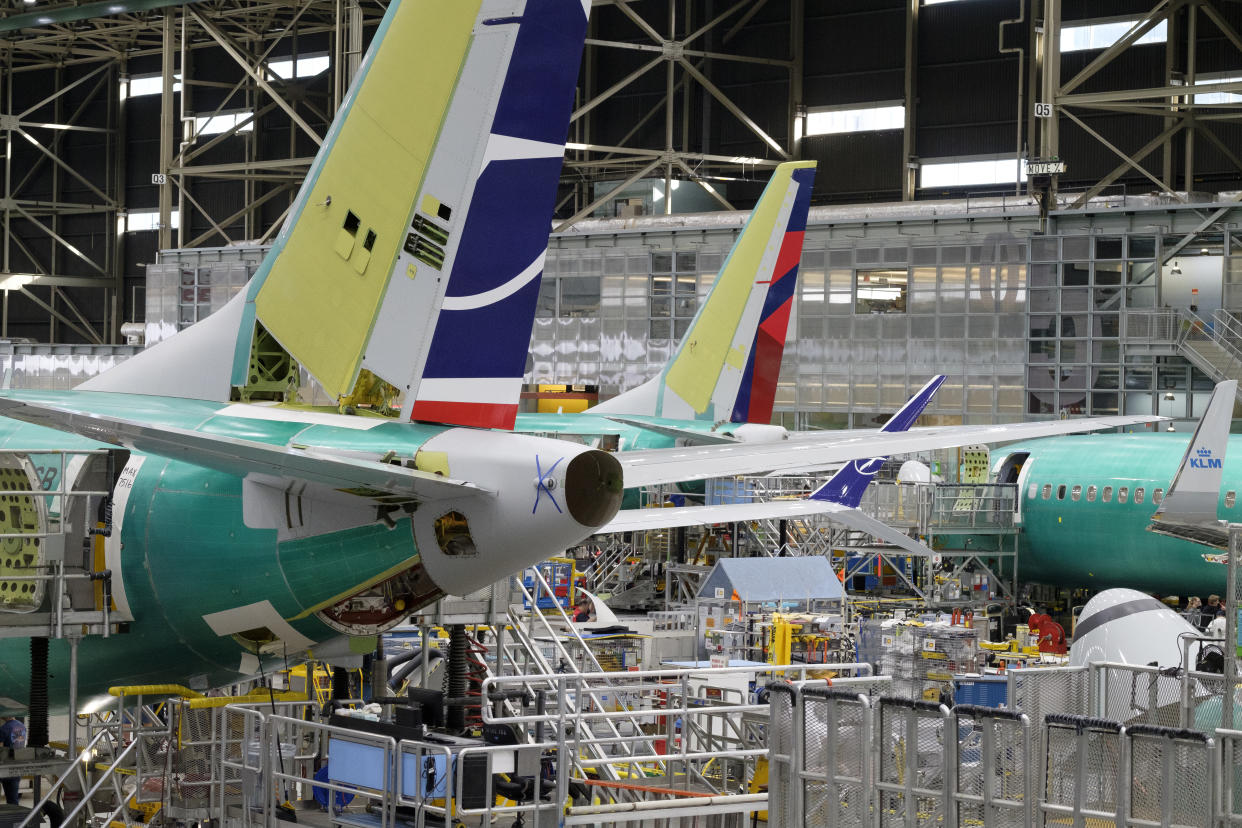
x: 834, y: 120
x: 1091, y: 494
x: 672, y: 293
x: 1138, y: 495
x: 880, y: 291
x: 1122, y: 494
x: 137, y: 220
x: 1104, y: 33
x: 545, y: 305
x: 970, y: 172
x: 306, y: 67
x: 1061, y: 492
x: 215, y: 124
x: 1076, y: 493
x: 1230, y: 499
x: 1047, y: 491
x: 1108, y: 494
x: 1157, y: 496
x: 1217, y: 97
x: 140, y: 85
x: 579, y: 296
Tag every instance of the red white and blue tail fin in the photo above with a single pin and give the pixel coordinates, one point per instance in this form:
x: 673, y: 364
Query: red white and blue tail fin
x: 727, y: 364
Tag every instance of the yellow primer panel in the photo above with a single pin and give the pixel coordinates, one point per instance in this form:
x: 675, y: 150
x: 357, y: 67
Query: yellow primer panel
x: 702, y: 355
x: 430, y: 205
x: 432, y: 462
x: 319, y: 305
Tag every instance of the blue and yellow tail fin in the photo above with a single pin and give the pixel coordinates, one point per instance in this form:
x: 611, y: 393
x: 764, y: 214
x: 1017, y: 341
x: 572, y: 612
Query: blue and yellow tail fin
x: 727, y: 364
x: 415, y: 246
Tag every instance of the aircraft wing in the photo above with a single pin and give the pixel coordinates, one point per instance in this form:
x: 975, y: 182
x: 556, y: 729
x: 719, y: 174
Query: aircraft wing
x: 701, y: 438
x: 246, y: 457
x: 635, y: 520
x: 655, y: 466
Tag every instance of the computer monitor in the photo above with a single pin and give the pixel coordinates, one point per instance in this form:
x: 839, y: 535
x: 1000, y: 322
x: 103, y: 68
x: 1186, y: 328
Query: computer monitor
x: 431, y: 702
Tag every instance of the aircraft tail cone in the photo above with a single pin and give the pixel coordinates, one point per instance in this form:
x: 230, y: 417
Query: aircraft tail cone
x: 593, y: 487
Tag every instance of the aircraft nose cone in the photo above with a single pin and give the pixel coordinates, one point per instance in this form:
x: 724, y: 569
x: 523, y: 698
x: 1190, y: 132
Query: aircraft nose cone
x: 594, y: 484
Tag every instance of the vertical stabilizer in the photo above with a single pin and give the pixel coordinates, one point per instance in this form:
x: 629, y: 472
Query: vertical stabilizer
x: 728, y: 362
x: 415, y: 246
x: 848, y: 484
x: 1195, y: 490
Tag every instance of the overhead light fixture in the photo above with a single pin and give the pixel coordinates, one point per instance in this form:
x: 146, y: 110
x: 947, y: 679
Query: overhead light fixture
x: 1176, y: 269
x: 1168, y: 395
x: 1170, y: 428
x: 30, y: 2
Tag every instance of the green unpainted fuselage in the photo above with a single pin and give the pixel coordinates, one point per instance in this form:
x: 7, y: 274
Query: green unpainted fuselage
x: 185, y: 551
x: 1096, y: 544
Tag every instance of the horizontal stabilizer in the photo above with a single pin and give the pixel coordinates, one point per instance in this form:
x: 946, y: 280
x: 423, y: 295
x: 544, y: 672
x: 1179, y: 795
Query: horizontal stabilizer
x: 246, y: 457
x: 691, y: 438
x: 655, y: 466
x: 636, y: 520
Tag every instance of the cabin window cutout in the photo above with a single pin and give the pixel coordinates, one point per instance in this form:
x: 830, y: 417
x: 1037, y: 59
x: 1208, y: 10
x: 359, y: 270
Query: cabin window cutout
x: 1047, y: 493
x: 369, y: 242
x: 1230, y: 499
x: 351, y: 223
x: 444, y: 212
x: 1091, y: 490
x: 1061, y: 492
x: 1030, y: 492
x: 1138, y: 495
x: 1157, y: 496
x: 1076, y: 493
x: 1123, y: 494
x: 453, y: 536
x: 1108, y: 494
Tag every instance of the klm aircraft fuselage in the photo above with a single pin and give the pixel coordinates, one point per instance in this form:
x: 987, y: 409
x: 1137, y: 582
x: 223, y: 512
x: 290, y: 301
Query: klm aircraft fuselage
x: 1086, y: 502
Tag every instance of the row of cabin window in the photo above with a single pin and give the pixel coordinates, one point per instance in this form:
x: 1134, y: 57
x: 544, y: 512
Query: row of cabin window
x: 1123, y: 494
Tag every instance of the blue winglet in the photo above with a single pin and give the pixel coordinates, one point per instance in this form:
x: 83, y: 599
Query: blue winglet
x: 848, y: 484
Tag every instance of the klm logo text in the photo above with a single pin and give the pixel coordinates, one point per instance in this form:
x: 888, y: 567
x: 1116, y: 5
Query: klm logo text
x: 1205, y: 460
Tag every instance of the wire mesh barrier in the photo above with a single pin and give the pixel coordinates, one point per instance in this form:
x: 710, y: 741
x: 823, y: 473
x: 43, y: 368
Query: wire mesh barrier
x: 1229, y: 751
x: 912, y: 764
x: 783, y: 807
x: 836, y: 774
x: 913, y: 767
x: 1082, y: 769
x: 1171, y: 778
x: 994, y: 783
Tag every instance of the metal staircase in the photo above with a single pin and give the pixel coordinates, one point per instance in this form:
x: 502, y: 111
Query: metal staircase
x: 546, y: 643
